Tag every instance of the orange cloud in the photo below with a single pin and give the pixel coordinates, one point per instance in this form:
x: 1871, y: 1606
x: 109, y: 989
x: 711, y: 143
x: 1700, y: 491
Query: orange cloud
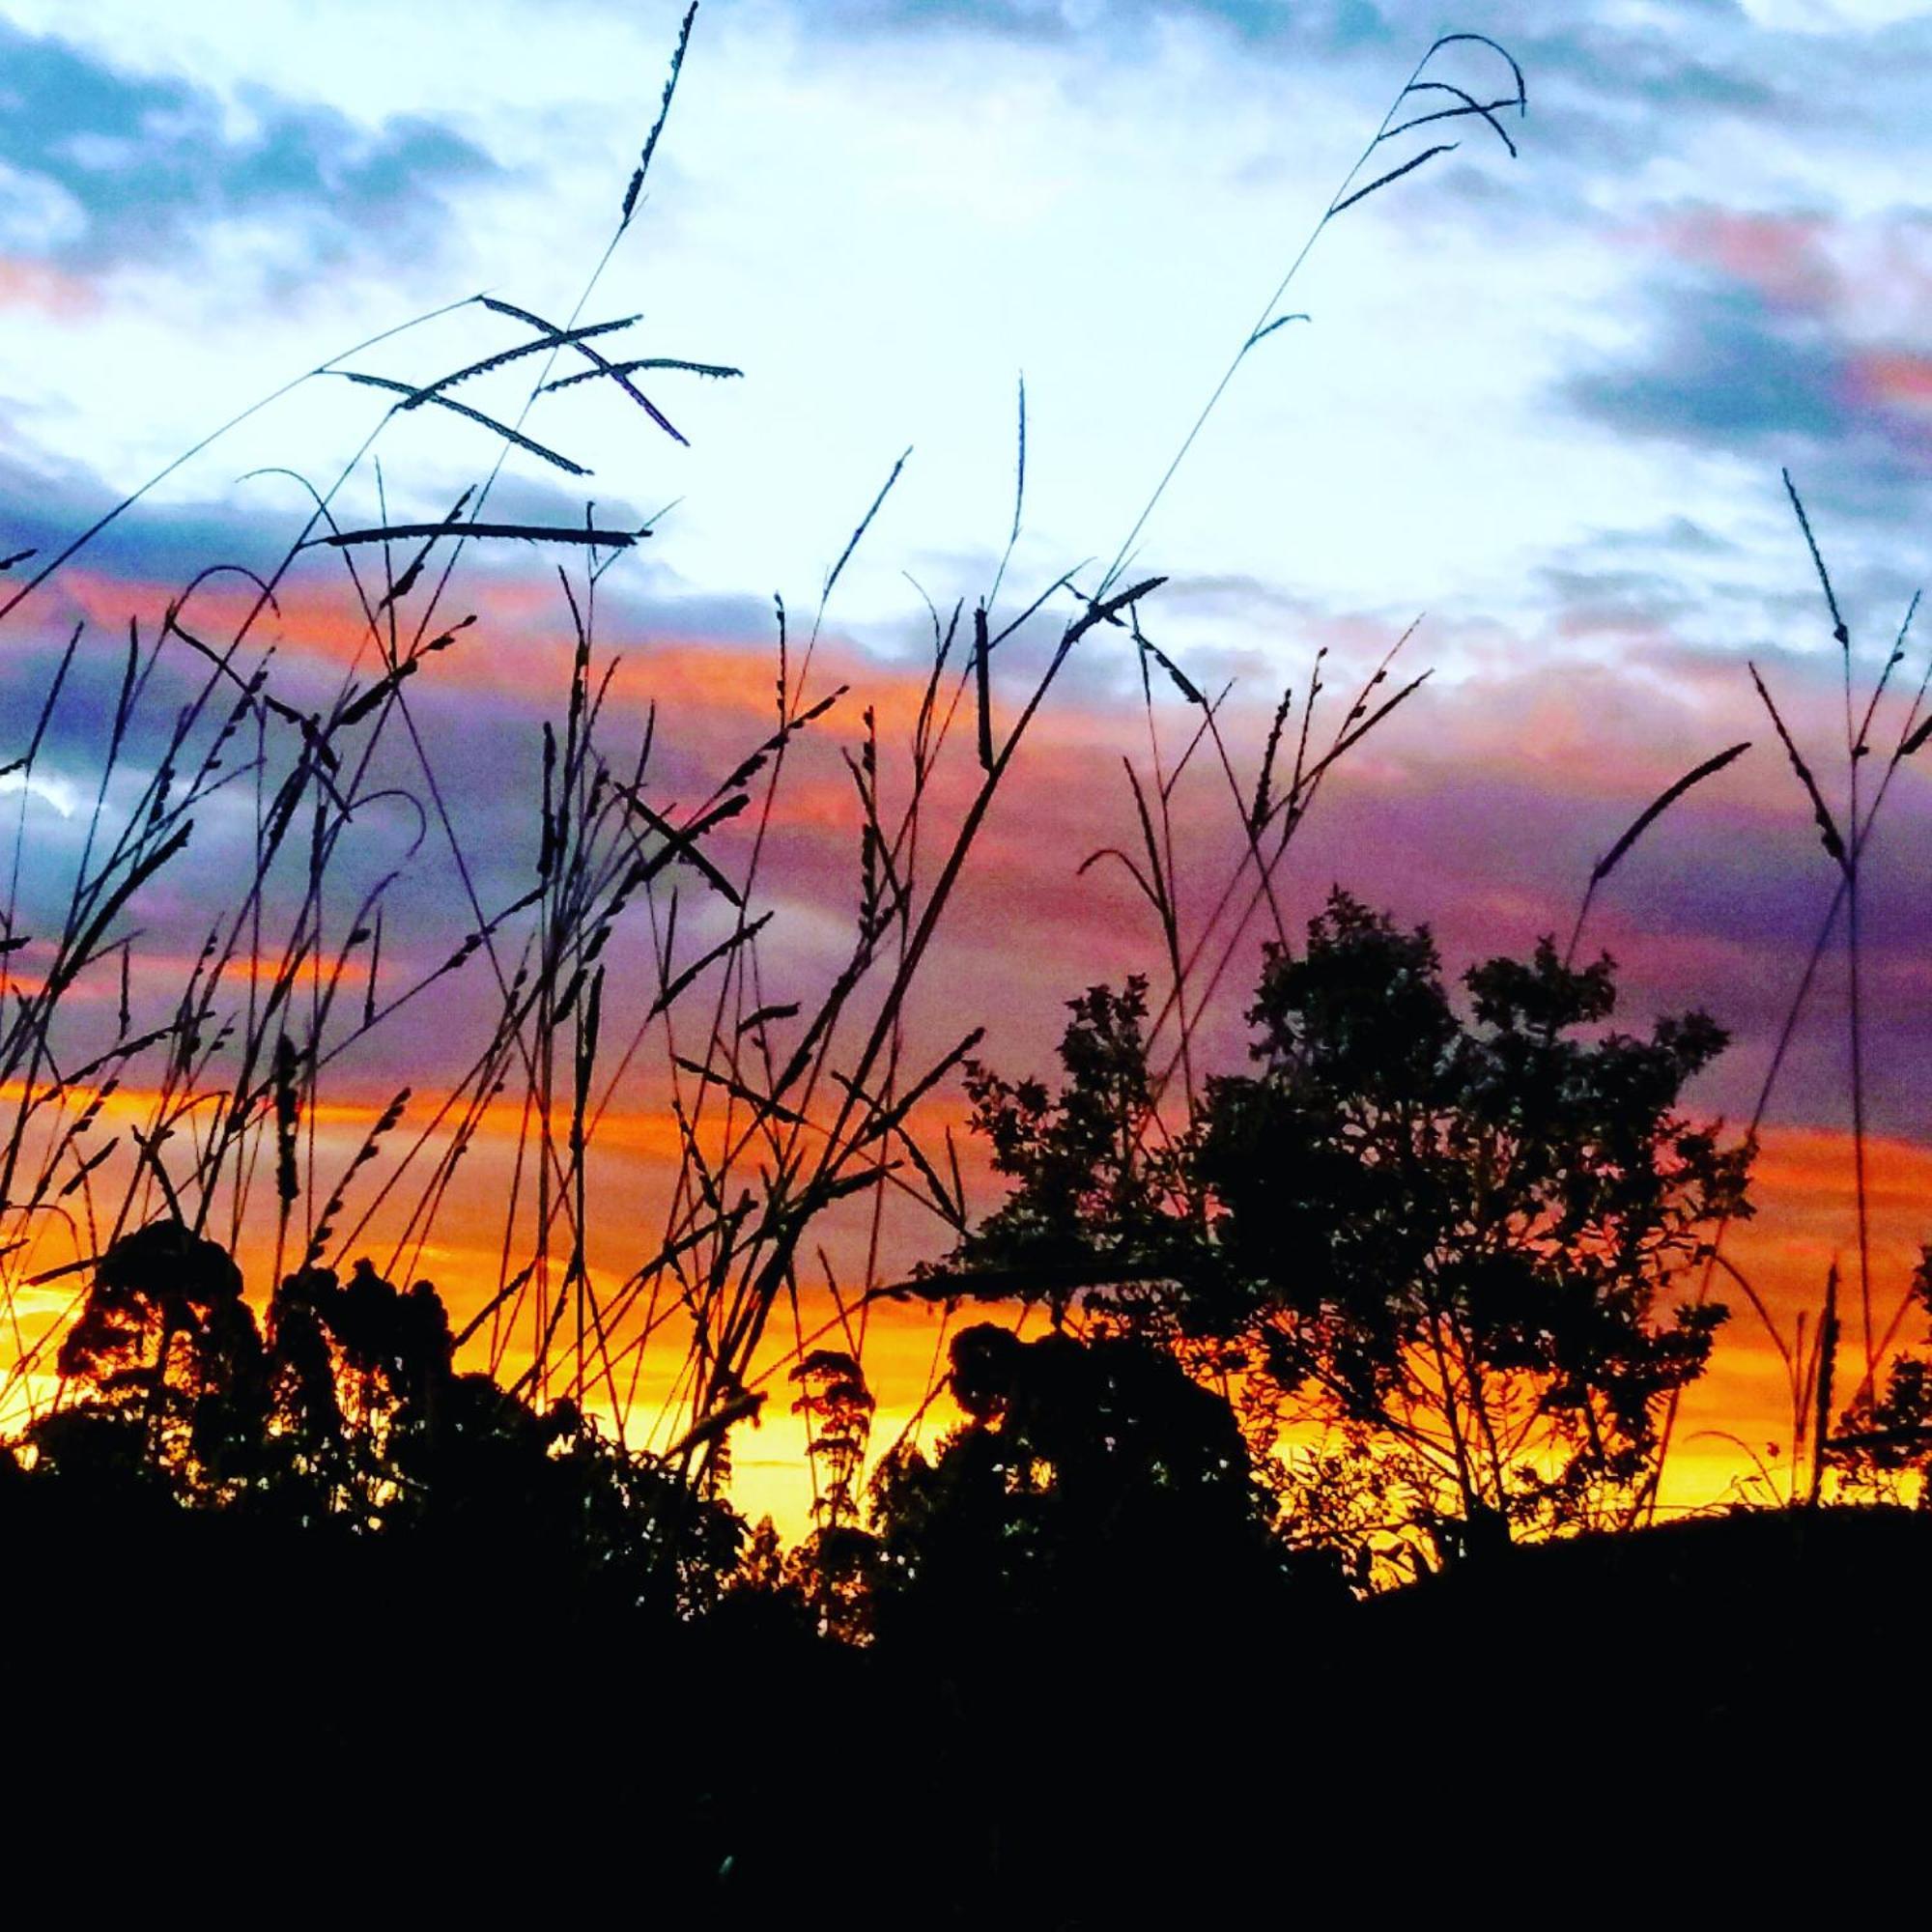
x: 1896, y: 377
x: 1780, y: 255
x: 1481, y: 808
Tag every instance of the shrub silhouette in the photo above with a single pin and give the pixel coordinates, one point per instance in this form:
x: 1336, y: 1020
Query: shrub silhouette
x: 1094, y: 1493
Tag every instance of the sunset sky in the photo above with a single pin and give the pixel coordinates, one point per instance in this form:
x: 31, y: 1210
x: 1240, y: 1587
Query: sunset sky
x: 1539, y: 402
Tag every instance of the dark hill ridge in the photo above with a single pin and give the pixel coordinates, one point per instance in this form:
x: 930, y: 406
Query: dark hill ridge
x: 1759, y: 1578
x: 1722, y: 1652
x: 250, y: 1693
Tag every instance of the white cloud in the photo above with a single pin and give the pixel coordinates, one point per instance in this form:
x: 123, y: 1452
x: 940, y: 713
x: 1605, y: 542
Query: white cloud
x: 48, y: 788
x: 882, y: 232
x: 37, y: 216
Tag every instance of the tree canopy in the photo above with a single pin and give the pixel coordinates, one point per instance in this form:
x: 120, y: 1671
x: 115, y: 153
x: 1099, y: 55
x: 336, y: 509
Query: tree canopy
x: 1427, y: 1252
x: 1094, y: 1492
x: 345, y: 1409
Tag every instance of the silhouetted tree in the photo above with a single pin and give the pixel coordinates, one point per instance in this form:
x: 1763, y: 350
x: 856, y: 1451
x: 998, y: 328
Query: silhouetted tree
x: 836, y: 1406
x: 1883, y: 1449
x: 171, y: 1367
x: 1439, y: 1243
x: 1094, y: 1492
x: 834, y: 1568
x: 316, y: 1462
x: 354, y: 1413
x: 1100, y: 1195
x: 1452, y: 1237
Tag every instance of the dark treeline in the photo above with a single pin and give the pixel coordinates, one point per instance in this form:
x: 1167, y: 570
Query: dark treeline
x: 1116, y: 1627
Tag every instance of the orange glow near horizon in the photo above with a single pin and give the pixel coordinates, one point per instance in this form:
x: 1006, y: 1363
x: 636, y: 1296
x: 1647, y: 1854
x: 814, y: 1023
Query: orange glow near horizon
x: 1740, y: 1410
x: 1028, y: 930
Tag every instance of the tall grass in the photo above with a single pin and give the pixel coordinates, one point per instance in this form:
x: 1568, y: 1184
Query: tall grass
x: 638, y: 949
x: 1808, y: 1347
x: 642, y: 956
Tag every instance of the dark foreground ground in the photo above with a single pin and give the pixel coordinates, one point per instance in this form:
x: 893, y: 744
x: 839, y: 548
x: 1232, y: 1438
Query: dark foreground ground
x: 279, y: 1727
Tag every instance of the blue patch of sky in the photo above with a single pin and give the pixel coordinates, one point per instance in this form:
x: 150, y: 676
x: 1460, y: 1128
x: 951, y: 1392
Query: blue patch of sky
x: 99, y: 167
x: 1724, y: 365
